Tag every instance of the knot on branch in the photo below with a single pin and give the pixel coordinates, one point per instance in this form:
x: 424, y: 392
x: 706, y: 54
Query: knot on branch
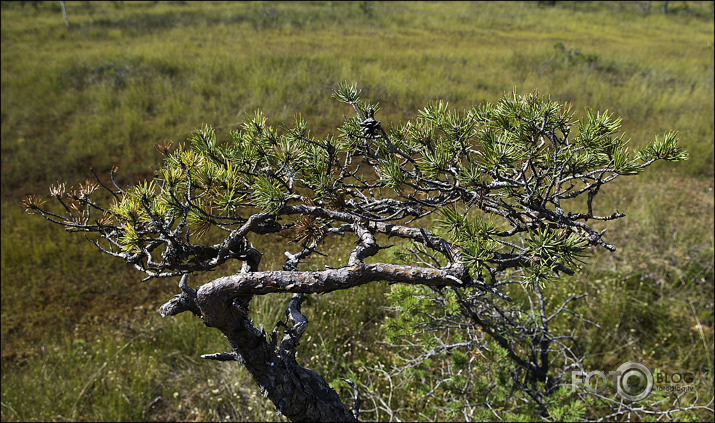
x: 267, y: 226
x: 370, y: 126
x: 186, y: 301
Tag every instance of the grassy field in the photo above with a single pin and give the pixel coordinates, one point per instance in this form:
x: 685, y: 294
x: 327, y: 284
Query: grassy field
x: 81, y: 336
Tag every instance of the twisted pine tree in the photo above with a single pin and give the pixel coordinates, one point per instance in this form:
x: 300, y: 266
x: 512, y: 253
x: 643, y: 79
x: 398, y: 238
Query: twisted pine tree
x: 512, y: 185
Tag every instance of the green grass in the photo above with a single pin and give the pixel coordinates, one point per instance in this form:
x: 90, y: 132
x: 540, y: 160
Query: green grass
x: 105, y: 92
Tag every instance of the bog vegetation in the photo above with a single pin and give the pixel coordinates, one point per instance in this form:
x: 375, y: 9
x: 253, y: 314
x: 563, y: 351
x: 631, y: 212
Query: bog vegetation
x: 81, y: 338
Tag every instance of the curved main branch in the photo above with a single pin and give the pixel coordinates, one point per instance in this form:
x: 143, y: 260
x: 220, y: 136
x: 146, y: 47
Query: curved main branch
x: 226, y: 288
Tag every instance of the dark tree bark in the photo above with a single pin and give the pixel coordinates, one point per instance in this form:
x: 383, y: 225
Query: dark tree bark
x: 298, y: 393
